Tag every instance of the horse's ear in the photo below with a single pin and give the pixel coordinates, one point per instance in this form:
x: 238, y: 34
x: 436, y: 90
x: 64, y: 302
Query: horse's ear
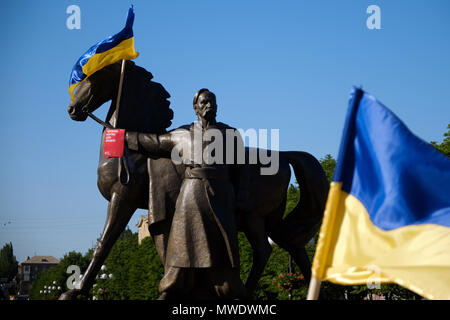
x: 129, y: 63
x: 147, y: 75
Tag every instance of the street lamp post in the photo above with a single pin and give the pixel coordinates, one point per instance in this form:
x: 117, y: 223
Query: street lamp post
x: 49, y: 291
x: 103, y: 277
x: 290, y: 270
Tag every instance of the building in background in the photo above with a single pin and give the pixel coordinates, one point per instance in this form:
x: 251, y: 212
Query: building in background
x: 29, y: 270
x: 143, y: 229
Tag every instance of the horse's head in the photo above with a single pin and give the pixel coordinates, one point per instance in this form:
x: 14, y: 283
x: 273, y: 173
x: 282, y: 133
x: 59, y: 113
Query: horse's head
x: 94, y: 91
x: 144, y: 104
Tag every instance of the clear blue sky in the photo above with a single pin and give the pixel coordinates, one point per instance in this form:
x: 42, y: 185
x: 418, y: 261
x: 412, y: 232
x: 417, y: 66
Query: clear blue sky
x: 273, y: 64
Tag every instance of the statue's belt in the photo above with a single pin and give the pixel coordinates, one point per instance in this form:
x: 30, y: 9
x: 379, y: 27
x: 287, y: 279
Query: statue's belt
x: 206, y: 174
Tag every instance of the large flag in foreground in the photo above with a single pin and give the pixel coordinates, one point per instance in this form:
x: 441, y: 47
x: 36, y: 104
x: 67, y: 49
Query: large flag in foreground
x: 387, y: 217
x: 114, y: 48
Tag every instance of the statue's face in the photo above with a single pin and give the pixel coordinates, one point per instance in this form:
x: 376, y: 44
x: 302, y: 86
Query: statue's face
x: 206, y: 106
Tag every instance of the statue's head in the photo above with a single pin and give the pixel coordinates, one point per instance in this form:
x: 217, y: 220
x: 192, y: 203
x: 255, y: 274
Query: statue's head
x: 205, y: 105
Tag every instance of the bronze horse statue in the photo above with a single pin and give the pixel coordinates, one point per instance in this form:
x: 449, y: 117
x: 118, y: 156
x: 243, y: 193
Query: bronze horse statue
x: 125, y: 182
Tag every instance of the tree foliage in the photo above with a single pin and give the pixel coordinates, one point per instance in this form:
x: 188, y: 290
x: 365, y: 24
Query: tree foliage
x: 292, y: 198
x: 328, y: 164
x: 146, y: 271
x: 57, y: 276
x: 8, y: 262
x: 444, y: 146
x: 136, y: 269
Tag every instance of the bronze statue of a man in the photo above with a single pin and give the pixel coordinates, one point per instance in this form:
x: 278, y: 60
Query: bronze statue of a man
x: 202, y: 256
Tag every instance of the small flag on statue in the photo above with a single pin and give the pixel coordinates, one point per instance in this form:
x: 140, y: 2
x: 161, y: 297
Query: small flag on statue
x: 114, y: 48
x: 114, y: 143
x: 387, y: 218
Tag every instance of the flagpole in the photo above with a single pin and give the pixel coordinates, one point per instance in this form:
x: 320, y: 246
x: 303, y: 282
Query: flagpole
x: 314, y: 289
x: 119, y: 94
x: 122, y: 161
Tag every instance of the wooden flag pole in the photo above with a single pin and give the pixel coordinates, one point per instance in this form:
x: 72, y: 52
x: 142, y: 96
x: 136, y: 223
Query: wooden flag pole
x: 314, y: 289
x: 122, y: 161
x: 119, y: 94
x: 323, y: 245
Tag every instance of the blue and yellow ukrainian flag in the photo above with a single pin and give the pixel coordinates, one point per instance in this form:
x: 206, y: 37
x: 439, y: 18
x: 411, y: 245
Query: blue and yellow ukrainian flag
x: 387, y: 218
x: 114, y: 48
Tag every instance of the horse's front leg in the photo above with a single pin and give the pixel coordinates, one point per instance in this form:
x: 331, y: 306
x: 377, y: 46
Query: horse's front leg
x: 301, y: 258
x: 120, y: 211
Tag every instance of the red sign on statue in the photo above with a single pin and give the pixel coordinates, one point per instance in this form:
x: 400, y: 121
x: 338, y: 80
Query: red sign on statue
x: 114, y: 141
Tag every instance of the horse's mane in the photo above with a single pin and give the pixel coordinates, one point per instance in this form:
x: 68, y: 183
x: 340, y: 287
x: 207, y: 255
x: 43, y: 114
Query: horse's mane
x: 144, y: 101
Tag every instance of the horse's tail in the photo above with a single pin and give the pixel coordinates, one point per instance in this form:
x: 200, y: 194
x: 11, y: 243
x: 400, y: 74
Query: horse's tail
x: 301, y: 224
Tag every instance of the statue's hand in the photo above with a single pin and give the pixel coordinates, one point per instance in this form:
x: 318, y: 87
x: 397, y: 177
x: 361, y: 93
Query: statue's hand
x: 132, y: 140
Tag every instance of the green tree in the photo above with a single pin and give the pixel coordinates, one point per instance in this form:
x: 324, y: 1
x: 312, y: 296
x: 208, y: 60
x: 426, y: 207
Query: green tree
x: 137, y: 270
x: 8, y: 262
x: 118, y: 263
x: 292, y: 197
x: 328, y: 164
x: 59, y: 275
x: 444, y: 146
x: 146, y: 270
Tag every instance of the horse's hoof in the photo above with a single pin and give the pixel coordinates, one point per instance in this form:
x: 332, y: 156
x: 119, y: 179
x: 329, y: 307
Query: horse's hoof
x: 163, y: 296
x: 69, y: 295
x: 167, y: 296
